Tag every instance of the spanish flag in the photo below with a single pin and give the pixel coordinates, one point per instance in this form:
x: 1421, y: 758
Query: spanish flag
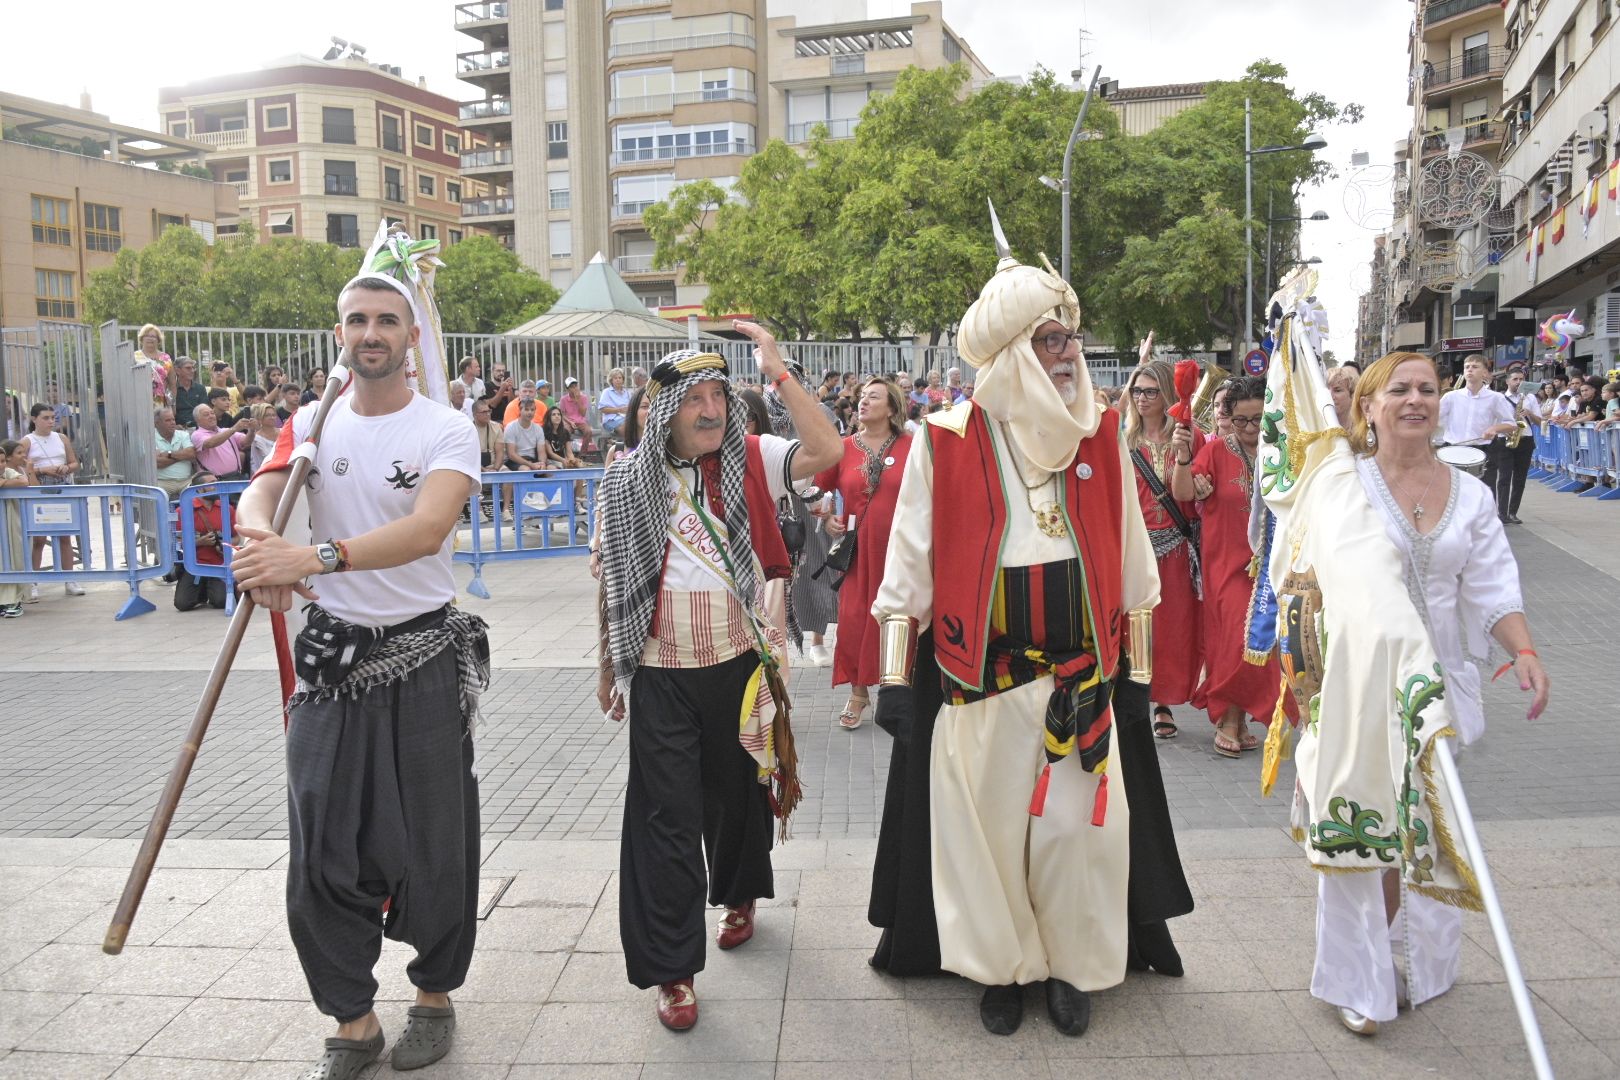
x: 1614, y: 179
x: 1589, y: 206
x: 1557, y: 224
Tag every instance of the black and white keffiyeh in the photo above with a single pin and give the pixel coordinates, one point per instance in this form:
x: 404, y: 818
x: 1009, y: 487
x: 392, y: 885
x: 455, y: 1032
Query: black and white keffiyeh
x: 637, y: 503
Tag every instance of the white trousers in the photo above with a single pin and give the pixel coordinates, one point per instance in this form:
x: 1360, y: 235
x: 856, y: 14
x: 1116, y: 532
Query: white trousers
x: 1356, y: 948
x: 1020, y: 898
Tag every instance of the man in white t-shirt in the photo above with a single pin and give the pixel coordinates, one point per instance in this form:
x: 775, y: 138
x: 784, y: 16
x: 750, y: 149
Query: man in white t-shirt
x: 471, y: 377
x: 689, y: 539
x: 382, y: 799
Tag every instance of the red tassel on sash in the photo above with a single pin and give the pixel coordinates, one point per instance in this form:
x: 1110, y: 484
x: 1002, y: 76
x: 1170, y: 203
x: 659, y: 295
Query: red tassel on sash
x: 1037, y: 801
x: 1099, y: 807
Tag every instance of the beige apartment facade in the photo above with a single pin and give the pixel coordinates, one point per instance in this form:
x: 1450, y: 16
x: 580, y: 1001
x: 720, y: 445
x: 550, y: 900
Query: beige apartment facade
x: 64, y: 215
x: 325, y: 150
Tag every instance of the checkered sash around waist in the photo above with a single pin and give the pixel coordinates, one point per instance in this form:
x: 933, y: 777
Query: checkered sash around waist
x: 1039, y: 627
x: 395, y: 656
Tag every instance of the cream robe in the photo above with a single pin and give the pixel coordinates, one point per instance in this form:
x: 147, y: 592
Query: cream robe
x: 1018, y: 898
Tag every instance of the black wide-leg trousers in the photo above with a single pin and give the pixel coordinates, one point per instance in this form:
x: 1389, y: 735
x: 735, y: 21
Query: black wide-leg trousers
x: 694, y: 811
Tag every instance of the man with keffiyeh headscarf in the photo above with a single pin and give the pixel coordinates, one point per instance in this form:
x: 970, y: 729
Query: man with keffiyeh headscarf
x: 1018, y: 545
x: 689, y: 538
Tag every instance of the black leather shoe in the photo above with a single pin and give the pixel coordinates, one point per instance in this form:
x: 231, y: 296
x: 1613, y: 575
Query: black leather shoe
x: 1151, y: 946
x: 1069, y: 1008
x: 1002, y: 1009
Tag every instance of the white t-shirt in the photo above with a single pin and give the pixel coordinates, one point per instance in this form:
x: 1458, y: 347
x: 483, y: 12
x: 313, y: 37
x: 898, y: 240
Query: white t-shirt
x: 682, y: 571
x: 475, y: 389
x: 368, y: 472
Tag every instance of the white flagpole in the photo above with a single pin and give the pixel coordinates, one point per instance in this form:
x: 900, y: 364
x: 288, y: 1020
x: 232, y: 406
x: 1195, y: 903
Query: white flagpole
x: 1463, y: 818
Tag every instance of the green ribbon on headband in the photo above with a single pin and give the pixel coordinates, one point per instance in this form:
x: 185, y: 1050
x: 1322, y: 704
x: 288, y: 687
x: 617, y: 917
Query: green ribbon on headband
x: 401, y: 256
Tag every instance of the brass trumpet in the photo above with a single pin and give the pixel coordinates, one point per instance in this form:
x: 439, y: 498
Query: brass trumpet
x: 1203, y: 400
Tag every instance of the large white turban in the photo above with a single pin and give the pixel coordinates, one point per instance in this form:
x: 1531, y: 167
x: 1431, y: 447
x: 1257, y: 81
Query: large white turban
x: 1012, y: 386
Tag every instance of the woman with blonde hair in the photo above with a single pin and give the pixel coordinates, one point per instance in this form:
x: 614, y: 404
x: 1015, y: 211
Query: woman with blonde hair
x: 1178, y: 653
x: 149, y: 347
x: 1464, y: 582
x: 1341, y: 381
x: 868, y: 478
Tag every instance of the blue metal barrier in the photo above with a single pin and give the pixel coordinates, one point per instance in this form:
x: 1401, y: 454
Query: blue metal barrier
x: 64, y: 513
x: 227, y: 492
x: 1580, y: 456
x: 542, y: 499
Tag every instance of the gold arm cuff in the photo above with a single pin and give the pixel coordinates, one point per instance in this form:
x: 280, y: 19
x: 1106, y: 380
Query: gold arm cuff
x: 1140, y: 646
x: 897, y: 650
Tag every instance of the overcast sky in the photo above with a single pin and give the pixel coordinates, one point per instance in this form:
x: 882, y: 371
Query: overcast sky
x: 121, y: 52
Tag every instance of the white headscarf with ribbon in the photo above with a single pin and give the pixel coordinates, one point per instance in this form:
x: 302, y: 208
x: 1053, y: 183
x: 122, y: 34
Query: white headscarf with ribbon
x: 407, y: 266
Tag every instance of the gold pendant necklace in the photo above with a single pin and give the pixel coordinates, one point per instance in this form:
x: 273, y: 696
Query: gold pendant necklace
x: 1049, y: 516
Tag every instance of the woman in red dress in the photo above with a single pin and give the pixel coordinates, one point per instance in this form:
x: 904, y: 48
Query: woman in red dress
x: 1233, y: 687
x: 1178, y: 640
x: 868, y: 478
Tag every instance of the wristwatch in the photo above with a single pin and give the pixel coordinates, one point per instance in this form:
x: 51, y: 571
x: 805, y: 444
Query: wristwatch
x: 330, y: 558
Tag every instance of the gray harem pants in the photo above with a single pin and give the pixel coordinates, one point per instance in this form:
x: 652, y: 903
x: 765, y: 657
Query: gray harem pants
x: 382, y: 809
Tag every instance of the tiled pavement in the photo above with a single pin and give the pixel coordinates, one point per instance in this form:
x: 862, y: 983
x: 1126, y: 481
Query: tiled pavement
x: 209, y: 986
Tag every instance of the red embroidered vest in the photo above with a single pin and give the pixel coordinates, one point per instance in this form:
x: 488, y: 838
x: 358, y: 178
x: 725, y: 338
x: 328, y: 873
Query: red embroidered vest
x: 970, y: 524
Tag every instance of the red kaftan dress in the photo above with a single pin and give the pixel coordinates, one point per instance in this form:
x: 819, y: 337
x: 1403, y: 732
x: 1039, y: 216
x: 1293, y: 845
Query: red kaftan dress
x: 1230, y: 680
x: 1178, y: 637
x: 855, y: 659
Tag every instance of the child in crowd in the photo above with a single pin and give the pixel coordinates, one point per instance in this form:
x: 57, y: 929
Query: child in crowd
x: 13, y: 474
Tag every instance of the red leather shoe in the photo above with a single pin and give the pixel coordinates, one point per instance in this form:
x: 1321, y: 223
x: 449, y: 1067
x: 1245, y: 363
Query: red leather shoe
x: 736, y: 926
x: 677, y: 1005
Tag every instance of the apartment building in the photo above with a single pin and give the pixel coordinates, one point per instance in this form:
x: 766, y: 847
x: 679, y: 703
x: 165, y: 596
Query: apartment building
x: 326, y: 149
x: 75, y: 189
x: 593, y: 114
x: 1438, y: 266
x: 1562, y: 94
x: 1143, y: 108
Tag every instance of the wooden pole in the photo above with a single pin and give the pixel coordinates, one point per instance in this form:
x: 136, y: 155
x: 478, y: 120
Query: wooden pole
x: 163, y: 815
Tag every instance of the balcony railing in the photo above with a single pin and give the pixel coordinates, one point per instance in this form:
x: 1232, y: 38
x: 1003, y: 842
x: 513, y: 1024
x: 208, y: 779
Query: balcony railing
x: 633, y: 264
x: 669, y: 153
x: 1492, y: 252
x: 239, y: 139
x: 484, y: 110
x: 494, y: 60
x: 487, y: 159
x: 1437, y: 10
x: 338, y: 184
x: 471, y: 13
x: 495, y: 204
x: 614, y: 5
x: 1485, y: 63
x: 241, y: 187
x: 1476, y: 134
x: 631, y: 209
x: 836, y: 129
x: 654, y: 103
x: 677, y: 44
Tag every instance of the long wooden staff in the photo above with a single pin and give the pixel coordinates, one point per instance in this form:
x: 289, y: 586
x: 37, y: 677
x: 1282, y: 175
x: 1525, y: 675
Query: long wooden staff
x: 158, y: 829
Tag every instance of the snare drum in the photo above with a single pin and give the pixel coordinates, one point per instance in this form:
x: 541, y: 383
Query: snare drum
x: 1470, y: 459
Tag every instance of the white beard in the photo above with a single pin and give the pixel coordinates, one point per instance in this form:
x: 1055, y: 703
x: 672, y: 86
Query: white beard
x: 1067, y: 392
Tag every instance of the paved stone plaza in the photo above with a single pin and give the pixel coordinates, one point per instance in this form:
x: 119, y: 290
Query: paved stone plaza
x: 94, y: 711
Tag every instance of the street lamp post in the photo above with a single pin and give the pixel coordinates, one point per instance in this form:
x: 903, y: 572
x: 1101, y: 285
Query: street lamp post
x: 1062, y: 187
x: 1320, y: 215
x: 1313, y: 141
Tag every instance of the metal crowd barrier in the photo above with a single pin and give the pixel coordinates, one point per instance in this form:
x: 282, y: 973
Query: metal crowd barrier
x: 543, y: 500
x: 1570, y: 458
x: 64, y: 513
x: 227, y: 492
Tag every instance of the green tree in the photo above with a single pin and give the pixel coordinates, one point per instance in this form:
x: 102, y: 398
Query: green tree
x: 482, y: 288
x: 163, y: 282
x: 1175, y: 203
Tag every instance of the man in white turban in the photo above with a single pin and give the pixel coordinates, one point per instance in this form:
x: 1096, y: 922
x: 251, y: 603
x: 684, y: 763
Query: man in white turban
x: 1018, y: 543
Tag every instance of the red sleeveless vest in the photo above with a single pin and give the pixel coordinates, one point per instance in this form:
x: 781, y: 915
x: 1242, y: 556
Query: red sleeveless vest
x: 763, y: 530
x: 970, y: 524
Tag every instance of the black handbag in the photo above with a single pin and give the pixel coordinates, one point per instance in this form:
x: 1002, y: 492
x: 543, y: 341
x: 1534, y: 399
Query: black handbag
x: 328, y: 648
x: 841, y: 556
x: 792, y: 526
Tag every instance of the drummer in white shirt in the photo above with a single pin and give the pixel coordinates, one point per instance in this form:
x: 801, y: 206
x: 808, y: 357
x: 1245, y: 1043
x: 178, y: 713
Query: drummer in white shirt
x: 1475, y: 415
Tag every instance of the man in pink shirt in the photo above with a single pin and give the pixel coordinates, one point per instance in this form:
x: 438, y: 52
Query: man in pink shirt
x: 219, y: 450
x: 575, y: 408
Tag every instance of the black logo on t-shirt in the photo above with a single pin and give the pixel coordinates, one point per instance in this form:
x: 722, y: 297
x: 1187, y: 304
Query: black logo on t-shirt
x: 341, y: 466
x: 402, y: 480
